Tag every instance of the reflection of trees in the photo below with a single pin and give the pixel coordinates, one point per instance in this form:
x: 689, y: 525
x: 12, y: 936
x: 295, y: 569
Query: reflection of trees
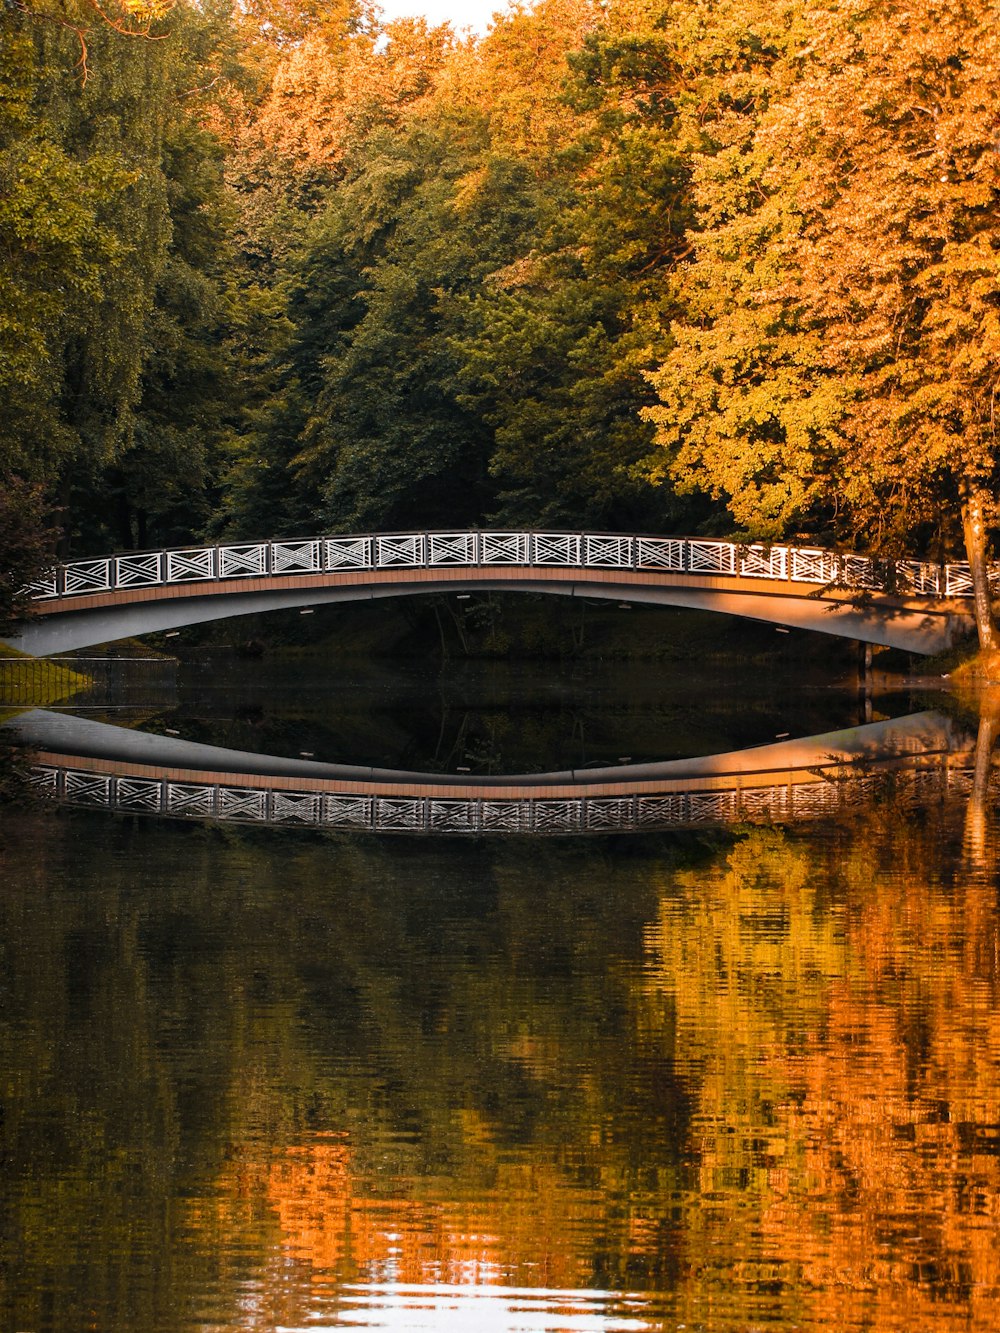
x: 978, y: 816
x: 486, y: 1104
x: 248, y: 1046
x: 764, y: 1076
x: 838, y: 1025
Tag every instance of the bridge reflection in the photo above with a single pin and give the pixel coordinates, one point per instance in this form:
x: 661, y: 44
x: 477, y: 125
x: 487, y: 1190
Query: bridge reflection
x: 82, y: 762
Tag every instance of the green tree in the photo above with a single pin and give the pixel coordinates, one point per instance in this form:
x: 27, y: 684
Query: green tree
x: 557, y: 343
x: 26, y: 545
x: 61, y: 190
x: 116, y: 354
x: 365, y: 426
x: 391, y: 435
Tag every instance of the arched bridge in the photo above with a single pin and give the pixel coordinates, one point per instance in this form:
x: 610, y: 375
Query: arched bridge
x: 909, y: 604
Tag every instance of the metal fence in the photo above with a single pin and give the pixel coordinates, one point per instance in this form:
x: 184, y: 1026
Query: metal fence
x: 486, y: 550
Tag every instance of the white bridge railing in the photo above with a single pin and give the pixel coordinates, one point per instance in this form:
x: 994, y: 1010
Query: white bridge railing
x: 485, y: 549
x: 403, y: 813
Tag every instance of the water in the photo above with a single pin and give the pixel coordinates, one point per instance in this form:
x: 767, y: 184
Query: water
x: 731, y: 1080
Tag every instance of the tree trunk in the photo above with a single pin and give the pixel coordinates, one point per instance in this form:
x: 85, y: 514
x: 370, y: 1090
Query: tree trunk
x: 974, y: 525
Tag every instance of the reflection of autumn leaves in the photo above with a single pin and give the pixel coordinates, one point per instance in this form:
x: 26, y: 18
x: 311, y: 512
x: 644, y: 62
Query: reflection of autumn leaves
x: 328, y: 1221
x: 898, y: 1190
x: 838, y: 1010
x: 513, y: 1217
x: 334, y: 1218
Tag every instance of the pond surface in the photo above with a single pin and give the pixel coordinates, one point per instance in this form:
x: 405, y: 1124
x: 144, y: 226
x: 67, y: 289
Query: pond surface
x: 262, y: 1079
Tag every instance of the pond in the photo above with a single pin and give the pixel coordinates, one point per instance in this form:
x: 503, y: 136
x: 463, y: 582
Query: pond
x: 731, y: 1078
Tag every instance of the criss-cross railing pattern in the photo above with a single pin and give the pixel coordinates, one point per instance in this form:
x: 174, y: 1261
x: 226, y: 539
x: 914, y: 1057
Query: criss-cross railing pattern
x: 404, y: 813
x: 485, y: 549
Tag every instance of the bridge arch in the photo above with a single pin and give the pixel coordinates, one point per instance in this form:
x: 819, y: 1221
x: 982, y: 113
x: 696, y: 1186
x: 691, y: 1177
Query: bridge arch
x: 908, y: 604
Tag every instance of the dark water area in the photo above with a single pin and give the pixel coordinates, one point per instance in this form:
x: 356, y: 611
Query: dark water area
x: 493, y: 717
x: 263, y: 1079
x: 482, y: 717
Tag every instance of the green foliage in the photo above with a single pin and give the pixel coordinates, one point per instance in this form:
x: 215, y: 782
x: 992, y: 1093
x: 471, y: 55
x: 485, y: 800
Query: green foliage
x: 61, y: 249
x: 25, y: 542
x: 658, y: 265
x: 161, y: 489
x: 394, y: 440
x: 368, y: 420
x: 557, y: 345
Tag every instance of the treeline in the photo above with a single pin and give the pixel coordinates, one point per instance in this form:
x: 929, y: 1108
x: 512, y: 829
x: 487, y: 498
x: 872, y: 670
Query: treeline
x: 726, y: 266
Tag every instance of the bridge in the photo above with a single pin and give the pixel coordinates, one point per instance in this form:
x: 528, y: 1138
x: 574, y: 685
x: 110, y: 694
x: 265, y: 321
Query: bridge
x: 82, y: 762
x: 909, y: 604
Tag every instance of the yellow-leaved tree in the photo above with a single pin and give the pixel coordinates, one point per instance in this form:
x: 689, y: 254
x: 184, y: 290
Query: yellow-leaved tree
x: 838, y: 364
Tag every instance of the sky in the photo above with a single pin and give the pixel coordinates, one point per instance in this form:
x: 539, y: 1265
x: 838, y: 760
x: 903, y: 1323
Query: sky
x: 474, y: 14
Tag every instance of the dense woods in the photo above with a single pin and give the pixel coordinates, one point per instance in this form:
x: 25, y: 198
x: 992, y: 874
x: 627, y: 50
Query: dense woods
x: 672, y: 265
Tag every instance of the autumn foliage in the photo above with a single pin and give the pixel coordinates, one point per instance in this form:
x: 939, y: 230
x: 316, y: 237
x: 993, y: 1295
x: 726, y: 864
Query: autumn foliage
x: 653, y: 264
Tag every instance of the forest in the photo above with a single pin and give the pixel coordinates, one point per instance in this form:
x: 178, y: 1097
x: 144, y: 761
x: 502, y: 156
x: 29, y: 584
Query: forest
x: 724, y: 267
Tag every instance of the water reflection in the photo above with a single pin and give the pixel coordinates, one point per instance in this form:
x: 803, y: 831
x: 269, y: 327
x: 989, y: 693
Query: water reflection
x: 493, y: 1309
x: 81, y: 761
x: 481, y: 717
x: 752, y: 1081
x: 720, y: 1079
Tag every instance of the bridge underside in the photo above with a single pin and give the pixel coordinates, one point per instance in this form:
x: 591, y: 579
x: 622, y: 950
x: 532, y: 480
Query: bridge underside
x: 915, y: 625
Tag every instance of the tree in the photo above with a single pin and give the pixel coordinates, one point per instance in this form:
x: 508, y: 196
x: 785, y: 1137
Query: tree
x: 390, y: 440
x: 115, y: 336
x: 61, y: 256
x: 161, y: 488
x: 82, y: 19
x: 556, y: 344
x: 26, y: 544
x: 836, y: 364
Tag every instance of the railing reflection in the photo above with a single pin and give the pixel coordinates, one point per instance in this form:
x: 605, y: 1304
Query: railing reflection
x: 807, y: 797
x: 925, y: 757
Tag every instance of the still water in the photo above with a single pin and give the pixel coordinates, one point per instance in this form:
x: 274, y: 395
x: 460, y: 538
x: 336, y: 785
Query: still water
x: 263, y: 1079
